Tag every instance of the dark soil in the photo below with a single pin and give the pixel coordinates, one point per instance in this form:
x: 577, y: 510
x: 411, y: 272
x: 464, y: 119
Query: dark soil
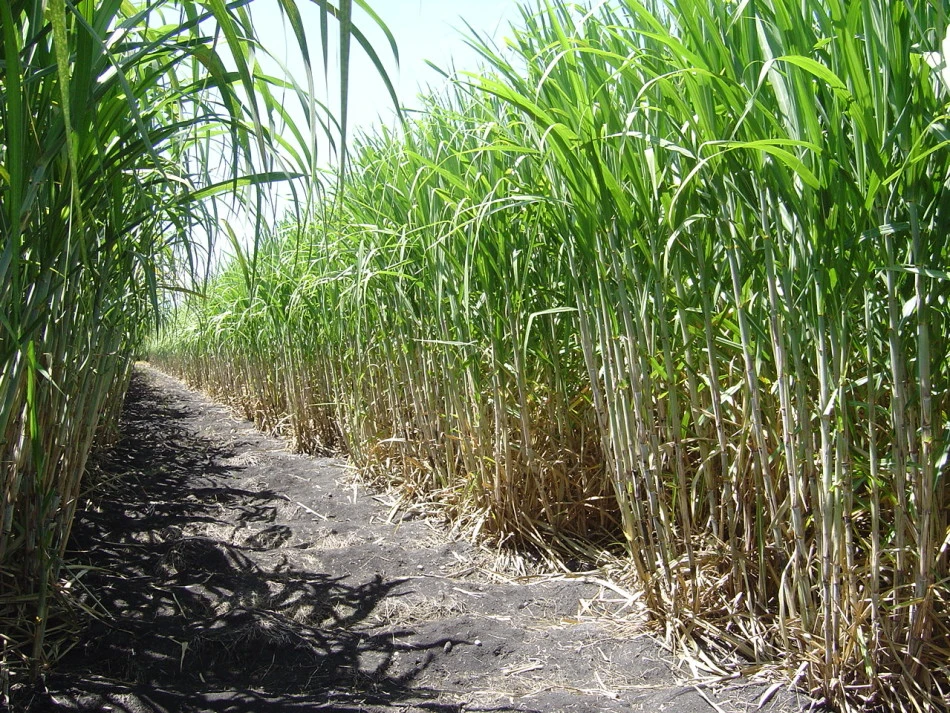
x: 231, y: 575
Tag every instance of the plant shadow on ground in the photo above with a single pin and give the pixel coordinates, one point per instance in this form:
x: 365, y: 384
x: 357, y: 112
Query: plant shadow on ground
x: 203, y: 622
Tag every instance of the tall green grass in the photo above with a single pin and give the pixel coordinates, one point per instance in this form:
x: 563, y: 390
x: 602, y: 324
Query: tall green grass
x: 114, y: 118
x: 666, y: 274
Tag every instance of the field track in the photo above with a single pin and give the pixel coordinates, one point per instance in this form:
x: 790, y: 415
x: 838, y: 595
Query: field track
x: 232, y: 575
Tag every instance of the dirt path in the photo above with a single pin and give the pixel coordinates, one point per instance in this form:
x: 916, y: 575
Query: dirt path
x: 238, y: 577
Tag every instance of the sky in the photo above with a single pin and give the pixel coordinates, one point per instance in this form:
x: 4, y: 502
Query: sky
x: 424, y: 30
x: 428, y: 30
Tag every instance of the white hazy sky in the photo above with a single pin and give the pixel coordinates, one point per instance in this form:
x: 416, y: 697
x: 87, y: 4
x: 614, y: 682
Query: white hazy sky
x: 424, y: 30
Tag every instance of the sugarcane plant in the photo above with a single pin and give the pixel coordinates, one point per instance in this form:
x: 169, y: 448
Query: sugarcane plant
x: 123, y: 126
x: 669, y: 277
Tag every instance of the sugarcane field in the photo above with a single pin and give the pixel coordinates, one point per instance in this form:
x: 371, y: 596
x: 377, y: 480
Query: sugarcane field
x: 511, y: 355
